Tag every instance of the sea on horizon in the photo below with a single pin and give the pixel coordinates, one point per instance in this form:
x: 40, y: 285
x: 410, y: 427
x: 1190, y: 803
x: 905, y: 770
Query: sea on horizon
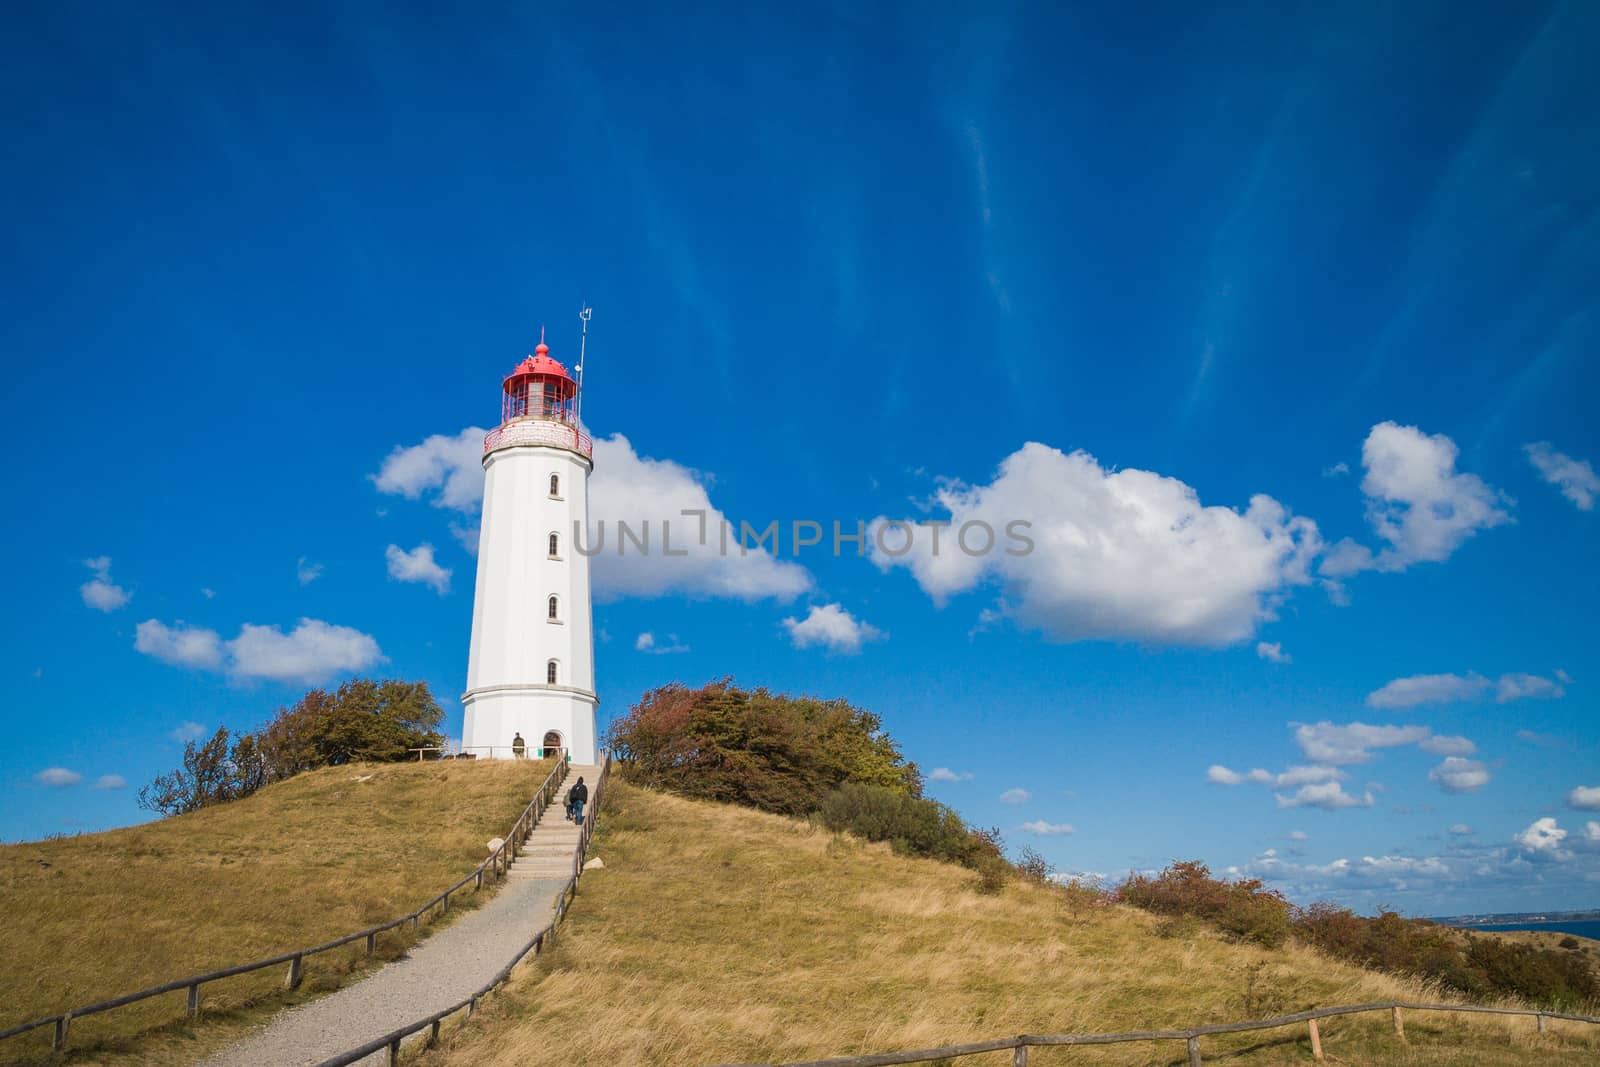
x: 1589, y: 928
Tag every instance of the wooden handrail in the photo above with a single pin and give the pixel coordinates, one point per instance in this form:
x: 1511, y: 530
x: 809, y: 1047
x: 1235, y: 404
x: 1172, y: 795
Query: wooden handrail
x: 393, y: 1039
x: 1191, y: 1037
x: 499, y: 860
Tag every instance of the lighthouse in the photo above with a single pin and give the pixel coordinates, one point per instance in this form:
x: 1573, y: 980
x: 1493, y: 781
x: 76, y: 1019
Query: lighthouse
x: 530, y: 671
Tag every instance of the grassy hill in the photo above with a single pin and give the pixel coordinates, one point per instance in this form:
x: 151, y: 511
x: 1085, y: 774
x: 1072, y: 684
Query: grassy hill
x: 721, y: 934
x: 299, y: 863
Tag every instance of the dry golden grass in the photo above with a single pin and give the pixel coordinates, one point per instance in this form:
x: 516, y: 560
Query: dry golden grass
x: 300, y: 863
x: 718, y: 934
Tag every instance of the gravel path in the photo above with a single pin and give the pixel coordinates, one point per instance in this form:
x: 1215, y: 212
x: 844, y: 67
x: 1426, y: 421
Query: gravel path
x: 443, y: 969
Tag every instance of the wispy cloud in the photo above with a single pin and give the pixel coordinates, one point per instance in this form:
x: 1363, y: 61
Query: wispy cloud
x: 646, y: 642
x: 417, y: 565
x: 305, y: 572
x: 1272, y: 652
x: 1575, y: 478
x: 57, y: 777
x: 100, y: 592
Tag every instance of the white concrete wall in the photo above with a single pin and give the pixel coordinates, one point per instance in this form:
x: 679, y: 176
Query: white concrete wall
x: 512, y: 639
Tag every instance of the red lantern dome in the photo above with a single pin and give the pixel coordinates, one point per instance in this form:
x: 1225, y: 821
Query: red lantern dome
x: 540, y: 387
x: 539, y: 406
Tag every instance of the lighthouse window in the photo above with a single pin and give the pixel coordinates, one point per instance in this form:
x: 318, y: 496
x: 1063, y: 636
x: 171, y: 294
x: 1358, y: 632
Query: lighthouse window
x: 555, y: 487
x: 555, y: 546
x: 550, y: 672
x: 555, y: 609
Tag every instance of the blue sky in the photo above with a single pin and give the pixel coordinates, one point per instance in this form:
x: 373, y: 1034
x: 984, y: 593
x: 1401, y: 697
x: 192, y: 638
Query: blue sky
x: 1254, y: 314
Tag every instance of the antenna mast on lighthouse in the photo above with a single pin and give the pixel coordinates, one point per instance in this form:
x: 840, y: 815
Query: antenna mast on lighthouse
x: 583, y: 341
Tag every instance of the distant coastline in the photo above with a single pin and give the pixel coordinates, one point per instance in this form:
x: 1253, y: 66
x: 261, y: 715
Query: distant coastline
x: 1578, y: 923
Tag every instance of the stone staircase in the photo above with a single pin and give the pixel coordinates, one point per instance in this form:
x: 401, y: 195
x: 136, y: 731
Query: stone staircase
x: 549, y: 850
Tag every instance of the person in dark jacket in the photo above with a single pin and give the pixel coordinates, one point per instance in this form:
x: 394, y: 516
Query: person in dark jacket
x: 576, y: 796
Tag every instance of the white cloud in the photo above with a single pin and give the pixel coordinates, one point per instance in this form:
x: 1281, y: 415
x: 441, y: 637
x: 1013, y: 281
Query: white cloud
x: 57, y: 777
x: 832, y: 627
x: 1450, y: 688
x: 1325, y: 742
x: 1591, y: 832
x: 209, y: 594
x: 945, y: 774
x: 1217, y: 774
x: 1461, y: 829
x: 449, y: 468
x: 1330, y: 796
x: 1584, y: 798
x: 314, y: 651
x: 100, y: 592
x: 1574, y: 477
x: 418, y: 565
x: 1447, y: 745
x: 1527, y: 686
x: 1336, y: 470
x: 1458, y: 775
x: 1272, y: 652
x: 1543, y: 837
x: 180, y: 644
x: 1416, y: 501
x: 1307, y: 775
x: 1118, y: 554
x: 1297, y: 835
x: 646, y: 642
x: 110, y: 781
x: 1047, y: 829
x: 649, y: 495
x: 305, y: 572
x: 1427, y: 689
x: 186, y: 732
x: 1015, y: 796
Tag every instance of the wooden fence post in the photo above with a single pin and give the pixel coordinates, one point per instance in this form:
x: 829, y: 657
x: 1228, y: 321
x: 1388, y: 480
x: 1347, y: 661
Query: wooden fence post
x: 446, y: 909
x: 372, y: 943
x: 1019, y: 1058
x: 293, y: 981
x: 1540, y: 1019
x: 63, y: 1024
x: 193, y: 1007
x: 1399, y: 1023
x: 394, y: 1053
x: 433, y: 1034
x: 1193, y: 1045
x: 1316, y: 1039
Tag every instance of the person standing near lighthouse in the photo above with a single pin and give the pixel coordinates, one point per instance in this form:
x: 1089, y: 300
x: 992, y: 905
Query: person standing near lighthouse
x: 530, y: 670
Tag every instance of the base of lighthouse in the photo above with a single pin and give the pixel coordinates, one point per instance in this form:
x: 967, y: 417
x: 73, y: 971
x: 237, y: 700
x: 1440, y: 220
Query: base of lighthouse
x: 497, y: 714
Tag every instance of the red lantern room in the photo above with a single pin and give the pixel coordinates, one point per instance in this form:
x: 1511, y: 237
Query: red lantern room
x: 541, y: 388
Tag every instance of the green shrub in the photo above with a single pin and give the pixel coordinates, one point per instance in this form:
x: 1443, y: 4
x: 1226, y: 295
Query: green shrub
x: 912, y: 825
x: 1245, y: 910
x: 757, y: 748
x: 993, y: 875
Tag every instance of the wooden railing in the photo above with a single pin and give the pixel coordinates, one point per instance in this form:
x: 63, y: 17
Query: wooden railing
x: 497, y: 864
x: 537, y: 944
x: 1190, y: 1038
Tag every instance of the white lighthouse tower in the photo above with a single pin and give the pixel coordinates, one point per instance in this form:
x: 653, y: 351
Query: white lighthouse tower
x: 531, y: 668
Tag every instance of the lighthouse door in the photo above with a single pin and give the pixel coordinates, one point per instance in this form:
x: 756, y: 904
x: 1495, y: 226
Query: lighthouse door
x: 552, y: 743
